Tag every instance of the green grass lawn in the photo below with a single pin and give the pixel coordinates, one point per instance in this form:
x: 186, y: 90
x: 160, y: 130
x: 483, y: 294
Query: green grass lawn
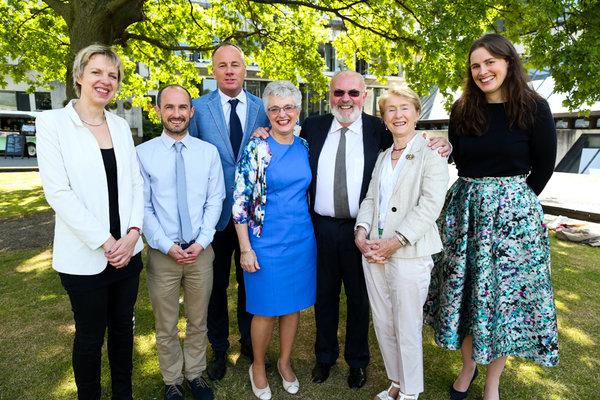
x: 21, y: 194
x: 36, y: 334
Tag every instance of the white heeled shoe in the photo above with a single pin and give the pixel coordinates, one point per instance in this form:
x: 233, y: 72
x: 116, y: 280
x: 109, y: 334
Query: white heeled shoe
x: 262, y: 394
x: 290, y: 387
x: 385, y: 395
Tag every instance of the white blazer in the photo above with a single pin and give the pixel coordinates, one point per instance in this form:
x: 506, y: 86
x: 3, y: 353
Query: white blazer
x: 416, y: 201
x: 75, y: 185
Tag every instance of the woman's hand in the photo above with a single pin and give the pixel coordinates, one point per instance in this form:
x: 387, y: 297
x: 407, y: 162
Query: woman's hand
x: 249, y: 262
x: 121, y: 250
x: 360, y: 239
x: 381, y: 249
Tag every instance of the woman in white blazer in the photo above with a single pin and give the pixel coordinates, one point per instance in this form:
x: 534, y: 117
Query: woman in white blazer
x: 92, y: 181
x: 397, y: 233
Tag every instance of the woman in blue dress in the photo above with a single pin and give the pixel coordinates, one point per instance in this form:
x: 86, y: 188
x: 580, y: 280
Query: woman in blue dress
x: 277, y: 243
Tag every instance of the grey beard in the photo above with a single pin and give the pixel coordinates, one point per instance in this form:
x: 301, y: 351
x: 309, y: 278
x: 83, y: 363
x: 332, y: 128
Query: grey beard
x: 349, y: 119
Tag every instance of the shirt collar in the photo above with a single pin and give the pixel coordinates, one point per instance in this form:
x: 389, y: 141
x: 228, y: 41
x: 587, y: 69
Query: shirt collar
x: 355, y: 127
x: 241, y: 97
x: 168, y: 141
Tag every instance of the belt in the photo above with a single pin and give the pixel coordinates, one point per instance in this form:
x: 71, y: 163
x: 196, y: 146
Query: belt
x: 185, y: 245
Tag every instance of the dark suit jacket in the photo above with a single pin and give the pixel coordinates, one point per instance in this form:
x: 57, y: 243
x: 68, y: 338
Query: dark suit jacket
x: 375, y: 139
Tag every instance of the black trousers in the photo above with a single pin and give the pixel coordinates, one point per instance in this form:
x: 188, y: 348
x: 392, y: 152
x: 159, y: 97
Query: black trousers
x: 339, y: 261
x: 225, y: 244
x: 94, y: 311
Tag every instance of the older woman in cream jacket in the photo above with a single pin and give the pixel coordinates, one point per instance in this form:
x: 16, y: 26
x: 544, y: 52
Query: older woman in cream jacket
x: 397, y: 233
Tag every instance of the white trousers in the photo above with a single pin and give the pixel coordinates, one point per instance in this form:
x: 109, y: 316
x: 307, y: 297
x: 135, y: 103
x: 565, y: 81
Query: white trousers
x: 397, y: 291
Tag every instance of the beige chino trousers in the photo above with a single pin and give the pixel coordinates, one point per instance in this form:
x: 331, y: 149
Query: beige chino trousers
x: 397, y: 292
x: 164, y: 278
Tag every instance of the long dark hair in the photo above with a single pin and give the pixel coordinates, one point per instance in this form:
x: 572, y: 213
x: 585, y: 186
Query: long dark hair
x: 521, y: 100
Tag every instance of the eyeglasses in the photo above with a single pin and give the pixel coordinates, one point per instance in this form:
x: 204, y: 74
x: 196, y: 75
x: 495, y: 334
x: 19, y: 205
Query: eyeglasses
x: 351, y: 93
x: 276, y: 110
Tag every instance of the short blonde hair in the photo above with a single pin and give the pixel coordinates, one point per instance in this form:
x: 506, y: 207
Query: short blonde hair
x: 83, y: 57
x: 402, y: 91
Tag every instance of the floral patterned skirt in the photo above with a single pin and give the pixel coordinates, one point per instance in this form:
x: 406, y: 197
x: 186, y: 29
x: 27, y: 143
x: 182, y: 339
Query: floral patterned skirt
x: 493, y: 279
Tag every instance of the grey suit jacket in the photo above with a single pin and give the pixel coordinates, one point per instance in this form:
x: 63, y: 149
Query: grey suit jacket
x: 416, y: 201
x: 208, y: 124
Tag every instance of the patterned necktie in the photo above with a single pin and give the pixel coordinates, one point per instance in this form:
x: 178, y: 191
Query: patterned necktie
x: 340, y: 188
x: 235, y: 128
x: 185, y: 224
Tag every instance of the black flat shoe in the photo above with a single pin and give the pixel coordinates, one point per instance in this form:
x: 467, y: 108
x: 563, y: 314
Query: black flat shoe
x: 320, y: 372
x: 456, y: 395
x: 357, y: 378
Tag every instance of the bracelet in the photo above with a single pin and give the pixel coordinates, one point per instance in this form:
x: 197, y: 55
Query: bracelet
x: 358, y: 229
x: 246, y: 251
x: 135, y: 228
x: 403, y: 241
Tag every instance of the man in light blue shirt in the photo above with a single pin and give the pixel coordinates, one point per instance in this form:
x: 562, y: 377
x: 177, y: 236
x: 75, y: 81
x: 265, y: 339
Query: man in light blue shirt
x: 183, y: 197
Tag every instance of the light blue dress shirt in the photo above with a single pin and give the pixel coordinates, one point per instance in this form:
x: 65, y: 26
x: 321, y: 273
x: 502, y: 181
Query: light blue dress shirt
x: 205, y: 189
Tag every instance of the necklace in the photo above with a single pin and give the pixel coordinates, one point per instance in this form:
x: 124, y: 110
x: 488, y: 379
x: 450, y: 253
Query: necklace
x: 91, y: 124
x: 400, y: 149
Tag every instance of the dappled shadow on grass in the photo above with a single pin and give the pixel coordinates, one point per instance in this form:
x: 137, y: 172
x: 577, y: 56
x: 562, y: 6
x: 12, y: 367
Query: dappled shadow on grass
x: 28, y: 232
x: 17, y: 203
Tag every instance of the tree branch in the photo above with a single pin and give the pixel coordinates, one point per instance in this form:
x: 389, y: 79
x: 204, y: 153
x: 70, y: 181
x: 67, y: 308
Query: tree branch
x: 62, y: 8
x: 338, y: 13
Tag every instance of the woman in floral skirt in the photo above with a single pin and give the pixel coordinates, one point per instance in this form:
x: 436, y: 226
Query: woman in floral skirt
x: 491, y: 295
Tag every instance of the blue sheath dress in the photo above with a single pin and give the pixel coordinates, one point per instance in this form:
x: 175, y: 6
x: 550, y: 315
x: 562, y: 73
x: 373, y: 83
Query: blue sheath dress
x: 286, y: 249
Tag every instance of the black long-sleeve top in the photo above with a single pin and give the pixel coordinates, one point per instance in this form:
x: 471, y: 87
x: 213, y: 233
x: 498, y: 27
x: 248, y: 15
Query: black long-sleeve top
x: 505, y: 151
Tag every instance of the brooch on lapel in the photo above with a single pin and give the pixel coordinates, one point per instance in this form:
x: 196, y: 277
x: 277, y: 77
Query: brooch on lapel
x: 410, y: 156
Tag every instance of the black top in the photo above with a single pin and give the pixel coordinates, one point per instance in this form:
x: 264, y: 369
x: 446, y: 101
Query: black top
x: 110, y: 274
x: 505, y: 151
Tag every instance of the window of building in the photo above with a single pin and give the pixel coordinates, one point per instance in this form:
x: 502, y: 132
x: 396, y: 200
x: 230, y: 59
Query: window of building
x: 43, y: 101
x: 8, y: 101
x: 208, y: 85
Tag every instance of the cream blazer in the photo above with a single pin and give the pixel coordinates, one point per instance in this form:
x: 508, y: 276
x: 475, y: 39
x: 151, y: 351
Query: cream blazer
x: 75, y: 185
x: 415, y: 204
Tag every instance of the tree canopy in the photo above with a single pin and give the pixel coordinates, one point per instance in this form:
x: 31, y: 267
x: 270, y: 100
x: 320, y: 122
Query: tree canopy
x: 430, y: 39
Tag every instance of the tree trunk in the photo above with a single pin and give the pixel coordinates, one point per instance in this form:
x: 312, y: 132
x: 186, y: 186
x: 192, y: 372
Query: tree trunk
x: 97, y: 21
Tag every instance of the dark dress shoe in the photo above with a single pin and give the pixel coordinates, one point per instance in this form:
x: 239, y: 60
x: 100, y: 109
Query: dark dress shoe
x: 247, y: 351
x: 456, y: 395
x: 357, y: 378
x: 320, y: 372
x: 217, y: 366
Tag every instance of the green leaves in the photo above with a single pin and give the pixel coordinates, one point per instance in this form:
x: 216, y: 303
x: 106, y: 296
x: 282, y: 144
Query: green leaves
x: 428, y: 39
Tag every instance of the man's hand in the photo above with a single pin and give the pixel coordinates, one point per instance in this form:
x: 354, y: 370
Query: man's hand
x: 177, y: 253
x: 261, y: 132
x: 441, y: 145
x: 191, y: 254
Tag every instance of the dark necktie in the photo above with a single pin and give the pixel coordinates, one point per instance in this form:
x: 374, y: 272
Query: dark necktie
x: 235, y: 128
x: 185, y: 223
x: 340, y: 188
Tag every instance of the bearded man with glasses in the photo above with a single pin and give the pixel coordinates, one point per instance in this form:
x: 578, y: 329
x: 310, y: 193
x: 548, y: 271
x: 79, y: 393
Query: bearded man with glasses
x: 343, y: 150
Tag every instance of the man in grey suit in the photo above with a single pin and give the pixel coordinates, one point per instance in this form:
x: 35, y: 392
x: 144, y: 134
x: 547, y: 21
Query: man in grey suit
x: 226, y: 118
